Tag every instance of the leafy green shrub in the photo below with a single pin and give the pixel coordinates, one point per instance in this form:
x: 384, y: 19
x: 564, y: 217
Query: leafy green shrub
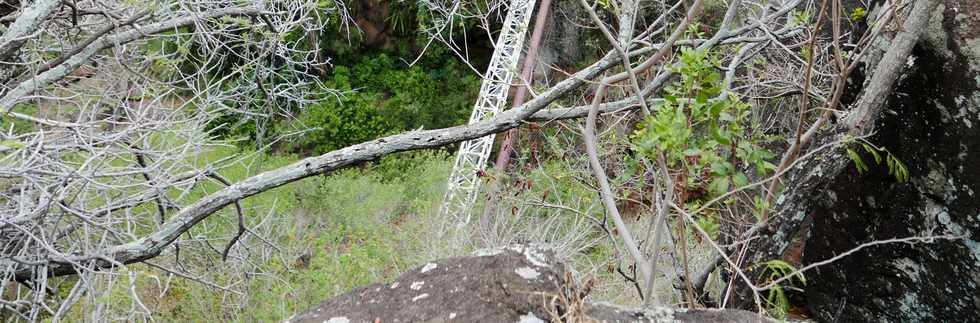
x: 381, y: 94
x: 348, y: 120
x: 706, y: 136
x: 703, y: 137
x: 385, y: 96
x: 777, y: 302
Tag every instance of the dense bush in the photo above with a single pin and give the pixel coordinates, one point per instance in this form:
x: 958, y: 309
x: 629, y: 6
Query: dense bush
x: 384, y: 96
x: 354, y: 227
x: 358, y: 79
x: 364, y: 87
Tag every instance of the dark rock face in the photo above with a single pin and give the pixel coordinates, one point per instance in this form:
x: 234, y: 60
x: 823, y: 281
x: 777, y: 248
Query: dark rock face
x: 509, y: 285
x: 933, y: 126
x: 565, y: 40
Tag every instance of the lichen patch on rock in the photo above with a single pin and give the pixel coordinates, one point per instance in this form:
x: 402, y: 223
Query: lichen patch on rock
x: 421, y: 296
x: 527, y: 272
x: 417, y: 285
x: 530, y: 318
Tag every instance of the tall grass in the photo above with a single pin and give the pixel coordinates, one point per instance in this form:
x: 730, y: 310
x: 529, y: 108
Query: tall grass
x: 323, y: 236
x: 313, y: 239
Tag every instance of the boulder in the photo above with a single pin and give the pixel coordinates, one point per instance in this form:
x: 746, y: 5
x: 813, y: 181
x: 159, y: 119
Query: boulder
x: 932, y: 124
x: 516, y: 284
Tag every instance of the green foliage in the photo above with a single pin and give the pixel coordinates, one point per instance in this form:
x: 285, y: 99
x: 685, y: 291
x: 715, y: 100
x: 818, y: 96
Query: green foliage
x: 858, y: 14
x: 707, y: 222
x: 605, y: 4
x: 705, y: 135
x: 405, y: 166
x: 384, y: 96
x: 401, y: 18
x: 777, y: 303
x: 895, y: 166
x: 360, y: 93
x: 358, y: 225
x: 799, y: 18
x: 805, y: 53
x: 759, y: 206
x: 173, y: 51
x: 695, y: 30
x: 17, y: 126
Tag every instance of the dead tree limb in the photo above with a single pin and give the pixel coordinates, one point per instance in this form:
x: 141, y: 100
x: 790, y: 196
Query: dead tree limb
x: 810, y: 177
x: 57, y: 72
x: 26, y: 24
x: 152, y: 245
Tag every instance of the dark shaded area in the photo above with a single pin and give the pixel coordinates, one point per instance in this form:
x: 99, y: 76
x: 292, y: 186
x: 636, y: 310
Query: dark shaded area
x: 7, y: 8
x: 932, y: 124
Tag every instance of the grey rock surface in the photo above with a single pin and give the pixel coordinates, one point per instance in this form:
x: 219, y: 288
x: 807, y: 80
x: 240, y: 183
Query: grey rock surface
x: 932, y: 124
x: 518, y: 284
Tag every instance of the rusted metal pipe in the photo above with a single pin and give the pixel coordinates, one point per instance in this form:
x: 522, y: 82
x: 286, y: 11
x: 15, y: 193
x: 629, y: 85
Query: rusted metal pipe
x: 503, y: 156
x: 507, y: 146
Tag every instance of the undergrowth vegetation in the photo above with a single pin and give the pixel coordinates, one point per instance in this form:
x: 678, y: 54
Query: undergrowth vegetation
x: 186, y: 192
x: 382, y: 96
x: 331, y: 234
x: 325, y: 236
x: 366, y: 85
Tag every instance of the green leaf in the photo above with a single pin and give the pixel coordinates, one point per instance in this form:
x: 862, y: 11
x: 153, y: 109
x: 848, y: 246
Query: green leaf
x: 719, y: 186
x: 12, y: 144
x: 858, y: 14
x: 702, y: 98
x: 897, y: 168
x: 712, y: 91
x: 858, y: 162
x: 717, y: 108
x: 710, y: 225
x: 720, y: 168
x: 739, y: 179
x: 725, y: 116
x: 721, y: 136
x: 783, y: 268
x: 872, y: 151
x: 761, y: 168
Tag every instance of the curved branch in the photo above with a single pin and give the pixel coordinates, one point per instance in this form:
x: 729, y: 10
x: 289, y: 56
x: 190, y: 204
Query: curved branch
x: 152, y: 245
x: 57, y: 72
x: 25, y: 26
x: 880, y: 86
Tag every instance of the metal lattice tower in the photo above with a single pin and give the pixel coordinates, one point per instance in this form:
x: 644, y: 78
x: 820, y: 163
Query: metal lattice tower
x: 464, y: 182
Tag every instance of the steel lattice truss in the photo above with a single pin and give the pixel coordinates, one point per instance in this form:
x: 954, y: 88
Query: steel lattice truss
x: 464, y: 182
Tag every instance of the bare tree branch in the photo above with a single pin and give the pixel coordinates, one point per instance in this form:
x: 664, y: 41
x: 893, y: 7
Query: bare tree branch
x: 25, y: 26
x: 152, y: 245
x: 59, y: 71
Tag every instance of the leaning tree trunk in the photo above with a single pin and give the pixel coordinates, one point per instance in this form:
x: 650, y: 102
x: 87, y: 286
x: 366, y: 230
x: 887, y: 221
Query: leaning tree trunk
x: 929, y: 118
